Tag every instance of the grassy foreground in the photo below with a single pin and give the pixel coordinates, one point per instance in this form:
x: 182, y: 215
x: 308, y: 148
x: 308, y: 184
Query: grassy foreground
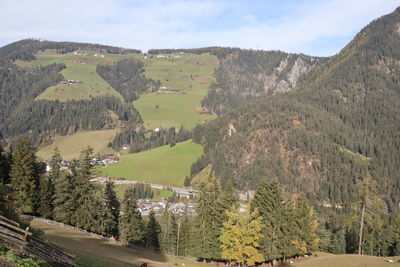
x: 162, y: 165
x: 70, y: 146
x: 94, y: 252
x: 330, y: 260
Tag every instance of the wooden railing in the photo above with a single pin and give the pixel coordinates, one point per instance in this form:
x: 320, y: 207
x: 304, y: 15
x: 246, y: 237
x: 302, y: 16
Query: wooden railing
x: 22, y: 241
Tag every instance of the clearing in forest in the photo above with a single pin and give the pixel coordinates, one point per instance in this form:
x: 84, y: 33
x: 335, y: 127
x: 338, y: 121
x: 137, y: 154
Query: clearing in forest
x: 163, y: 165
x: 70, y: 146
x: 185, y: 80
x: 81, y: 68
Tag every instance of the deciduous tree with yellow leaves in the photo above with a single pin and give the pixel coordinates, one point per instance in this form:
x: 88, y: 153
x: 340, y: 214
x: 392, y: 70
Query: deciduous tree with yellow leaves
x: 240, y: 238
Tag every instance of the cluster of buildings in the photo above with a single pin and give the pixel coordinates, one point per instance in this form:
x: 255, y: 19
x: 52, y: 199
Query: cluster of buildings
x: 167, y: 56
x: 70, y: 82
x: 104, y: 160
x: 146, y: 205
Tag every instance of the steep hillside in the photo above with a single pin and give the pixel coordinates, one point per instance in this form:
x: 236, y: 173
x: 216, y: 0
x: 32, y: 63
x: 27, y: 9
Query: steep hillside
x: 342, y: 121
x: 244, y: 75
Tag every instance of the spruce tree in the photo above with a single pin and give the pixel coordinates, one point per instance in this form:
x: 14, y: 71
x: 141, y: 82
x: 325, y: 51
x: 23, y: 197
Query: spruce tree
x: 152, y: 232
x: 47, y: 188
x: 25, y: 179
x: 169, y: 232
x: 5, y: 165
x: 184, y: 235
x: 269, y: 201
x: 208, y: 222
x: 86, y: 195
x: 396, y: 236
x: 305, y: 239
x: 63, y: 198
x: 110, y: 210
x: 131, y: 225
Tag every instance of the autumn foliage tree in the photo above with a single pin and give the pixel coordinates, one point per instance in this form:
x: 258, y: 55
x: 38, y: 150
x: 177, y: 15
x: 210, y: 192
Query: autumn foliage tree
x: 240, y: 238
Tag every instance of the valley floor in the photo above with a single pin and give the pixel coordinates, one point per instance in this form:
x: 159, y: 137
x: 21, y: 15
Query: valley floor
x: 94, y: 252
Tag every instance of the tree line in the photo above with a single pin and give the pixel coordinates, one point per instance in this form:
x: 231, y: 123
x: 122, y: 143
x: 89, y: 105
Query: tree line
x: 25, y: 49
x: 141, y: 140
x: 126, y: 76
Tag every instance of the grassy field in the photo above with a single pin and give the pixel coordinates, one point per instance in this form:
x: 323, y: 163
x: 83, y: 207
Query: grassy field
x: 158, y: 194
x: 330, y: 260
x: 95, y: 252
x: 191, y: 74
x: 163, y: 165
x: 92, y: 84
x: 71, y: 146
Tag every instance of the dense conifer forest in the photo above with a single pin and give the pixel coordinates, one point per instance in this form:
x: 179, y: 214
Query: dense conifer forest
x: 339, y: 125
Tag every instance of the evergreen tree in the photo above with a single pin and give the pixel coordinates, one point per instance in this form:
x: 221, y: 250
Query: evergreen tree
x: 110, y: 210
x: 268, y: 200
x: 25, y: 179
x: 47, y: 188
x: 240, y: 238
x: 131, y: 225
x: 208, y: 222
x: 152, y: 232
x: 5, y: 165
x: 305, y: 226
x: 396, y: 236
x: 169, y: 232
x: 184, y: 235
x: 86, y: 195
x: 63, y: 198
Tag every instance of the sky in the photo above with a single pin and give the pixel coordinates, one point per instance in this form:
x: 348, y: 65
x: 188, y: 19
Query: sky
x: 314, y: 27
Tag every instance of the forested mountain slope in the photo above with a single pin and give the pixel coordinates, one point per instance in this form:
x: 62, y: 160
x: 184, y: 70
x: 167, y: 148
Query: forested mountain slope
x: 340, y: 124
x: 20, y: 113
x: 244, y: 75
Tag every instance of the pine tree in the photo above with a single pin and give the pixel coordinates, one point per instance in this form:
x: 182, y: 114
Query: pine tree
x: 396, y: 236
x: 110, y: 210
x: 25, y: 177
x: 152, y: 232
x: 131, y: 225
x: 208, y: 222
x: 169, y: 232
x: 63, y: 198
x: 269, y: 201
x: 47, y: 188
x: 305, y: 239
x: 87, y: 199
x: 184, y: 235
x: 5, y: 166
x: 240, y: 238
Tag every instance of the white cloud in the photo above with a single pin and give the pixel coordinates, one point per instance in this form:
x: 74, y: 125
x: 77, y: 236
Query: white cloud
x: 179, y: 23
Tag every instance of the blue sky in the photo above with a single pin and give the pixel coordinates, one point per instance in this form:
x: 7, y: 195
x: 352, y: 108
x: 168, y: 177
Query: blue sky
x: 315, y: 27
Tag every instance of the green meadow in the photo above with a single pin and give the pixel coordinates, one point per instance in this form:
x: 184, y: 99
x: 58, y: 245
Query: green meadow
x: 70, y: 146
x: 191, y: 74
x: 79, y: 67
x: 162, y: 165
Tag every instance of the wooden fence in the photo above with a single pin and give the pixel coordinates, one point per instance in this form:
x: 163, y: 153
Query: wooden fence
x: 22, y: 241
